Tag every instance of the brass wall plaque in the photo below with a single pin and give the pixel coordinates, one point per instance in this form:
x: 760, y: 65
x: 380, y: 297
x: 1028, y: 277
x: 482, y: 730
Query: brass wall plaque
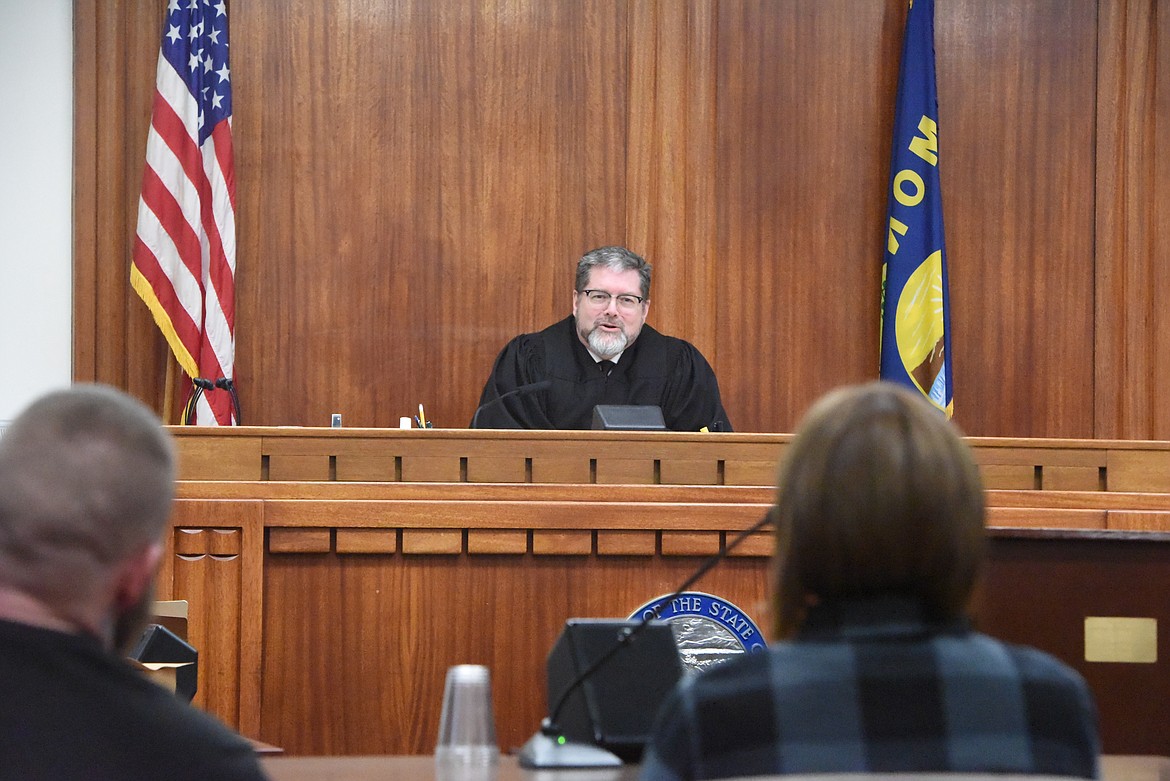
x: 1114, y: 639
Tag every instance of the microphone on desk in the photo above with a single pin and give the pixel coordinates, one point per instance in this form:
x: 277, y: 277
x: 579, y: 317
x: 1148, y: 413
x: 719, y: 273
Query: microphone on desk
x: 200, y: 384
x: 203, y: 384
x: 225, y: 383
x: 549, y: 748
x: 531, y: 387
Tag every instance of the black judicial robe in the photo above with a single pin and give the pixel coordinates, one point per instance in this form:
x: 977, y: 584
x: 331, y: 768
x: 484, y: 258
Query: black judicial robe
x: 656, y: 369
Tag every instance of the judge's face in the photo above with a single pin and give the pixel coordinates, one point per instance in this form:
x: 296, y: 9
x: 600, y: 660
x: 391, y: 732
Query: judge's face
x: 611, y: 326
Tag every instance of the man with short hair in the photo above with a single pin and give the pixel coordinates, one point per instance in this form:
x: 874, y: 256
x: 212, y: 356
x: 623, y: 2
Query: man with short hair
x: 879, y: 541
x: 86, y: 486
x: 603, y: 353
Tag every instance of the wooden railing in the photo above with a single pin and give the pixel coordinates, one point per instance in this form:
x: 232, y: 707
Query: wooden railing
x: 334, y: 574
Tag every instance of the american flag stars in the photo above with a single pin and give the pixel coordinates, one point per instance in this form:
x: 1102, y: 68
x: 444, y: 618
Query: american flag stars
x: 196, y: 45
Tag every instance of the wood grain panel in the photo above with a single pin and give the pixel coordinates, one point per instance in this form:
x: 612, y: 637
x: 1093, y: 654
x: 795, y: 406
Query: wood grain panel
x: 1067, y: 580
x: 626, y: 543
x: 86, y: 136
x: 211, y: 586
x: 308, y: 503
x: 679, y: 472
x: 284, y: 540
x: 302, y: 663
x: 497, y: 470
x: 1079, y: 500
x: 1046, y: 518
x: 115, y: 339
x: 1038, y: 452
x: 1009, y: 476
x: 232, y: 458
x: 416, y: 179
x: 1013, y: 124
x: 367, y: 541
x: 750, y: 473
x: 805, y: 96
x: 1132, y: 470
x: 1133, y: 188
x: 500, y: 542
x: 367, y: 468
x: 432, y: 469
x: 432, y: 541
x: 220, y: 575
x: 1135, y: 520
x: 623, y: 471
x: 668, y: 466
x: 224, y: 542
x: 561, y: 470
x: 690, y: 543
x: 538, y: 514
x: 561, y: 543
x: 670, y: 167
x: 191, y: 542
x: 299, y: 468
x: 758, y: 544
x: 374, y: 682
x: 1071, y: 478
x: 482, y: 155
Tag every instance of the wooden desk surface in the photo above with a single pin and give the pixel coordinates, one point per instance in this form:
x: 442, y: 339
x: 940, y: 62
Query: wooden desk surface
x: 422, y: 768
x: 1135, y: 768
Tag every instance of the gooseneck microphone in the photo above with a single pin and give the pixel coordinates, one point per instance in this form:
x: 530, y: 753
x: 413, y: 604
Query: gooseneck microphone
x: 203, y: 384
x: 225, y: 383
x: 200, y: 384
x: 549, y: 748
x: 531, y: 387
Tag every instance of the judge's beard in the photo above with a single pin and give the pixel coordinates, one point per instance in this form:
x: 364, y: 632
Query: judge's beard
x: 607, y: 345
x: 129, y: 624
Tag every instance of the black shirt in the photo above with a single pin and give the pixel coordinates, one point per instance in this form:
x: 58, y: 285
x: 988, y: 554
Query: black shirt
x: 71, y: 710
x: 656, y: 369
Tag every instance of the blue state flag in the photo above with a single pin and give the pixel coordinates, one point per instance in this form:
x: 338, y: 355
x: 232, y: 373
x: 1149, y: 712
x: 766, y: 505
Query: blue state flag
x: 916, y: 322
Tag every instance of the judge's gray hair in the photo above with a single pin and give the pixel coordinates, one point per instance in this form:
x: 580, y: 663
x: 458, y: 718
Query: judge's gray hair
x: 87, y: 479
x: 617, y: 259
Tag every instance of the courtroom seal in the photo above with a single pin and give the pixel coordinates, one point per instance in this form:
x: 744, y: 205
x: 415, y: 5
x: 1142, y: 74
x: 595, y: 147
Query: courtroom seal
x: 707, y: 629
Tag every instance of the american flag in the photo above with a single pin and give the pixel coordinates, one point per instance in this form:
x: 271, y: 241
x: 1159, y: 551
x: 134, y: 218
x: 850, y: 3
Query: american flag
x: 185, y: 249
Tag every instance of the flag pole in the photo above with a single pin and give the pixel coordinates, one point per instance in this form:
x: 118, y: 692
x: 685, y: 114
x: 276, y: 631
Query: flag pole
x: 168, y: 403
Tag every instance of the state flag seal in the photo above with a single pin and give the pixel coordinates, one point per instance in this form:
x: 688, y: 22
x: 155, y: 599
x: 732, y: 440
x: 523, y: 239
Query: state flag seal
x: 708, y: 629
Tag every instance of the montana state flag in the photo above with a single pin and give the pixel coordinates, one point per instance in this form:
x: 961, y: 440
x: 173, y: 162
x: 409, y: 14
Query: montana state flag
x: 916, y: 322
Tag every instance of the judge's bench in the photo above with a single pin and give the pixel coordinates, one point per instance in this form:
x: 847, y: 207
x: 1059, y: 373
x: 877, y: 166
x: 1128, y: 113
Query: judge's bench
x: 333, y: 575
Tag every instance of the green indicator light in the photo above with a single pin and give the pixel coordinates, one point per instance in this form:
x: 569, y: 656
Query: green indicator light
x: 560, y: 740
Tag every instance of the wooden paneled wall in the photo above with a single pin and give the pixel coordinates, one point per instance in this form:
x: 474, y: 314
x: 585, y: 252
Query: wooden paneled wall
x: 416, y: 178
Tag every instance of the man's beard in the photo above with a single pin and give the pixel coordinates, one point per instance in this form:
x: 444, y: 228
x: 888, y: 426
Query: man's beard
x: 607, y: 345
x: 129, y: 624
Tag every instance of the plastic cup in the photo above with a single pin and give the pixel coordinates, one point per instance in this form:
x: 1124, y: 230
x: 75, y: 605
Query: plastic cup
x: 467, y: 727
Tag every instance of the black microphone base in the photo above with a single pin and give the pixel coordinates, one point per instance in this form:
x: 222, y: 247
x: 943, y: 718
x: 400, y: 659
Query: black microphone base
x: 543, y: 752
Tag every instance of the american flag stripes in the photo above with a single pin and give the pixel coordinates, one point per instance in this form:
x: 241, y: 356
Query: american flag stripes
x: 185, y: 249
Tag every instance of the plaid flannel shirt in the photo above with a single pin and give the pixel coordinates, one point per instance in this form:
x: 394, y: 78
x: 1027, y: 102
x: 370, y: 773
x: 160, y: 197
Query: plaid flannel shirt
x: 869, y: 686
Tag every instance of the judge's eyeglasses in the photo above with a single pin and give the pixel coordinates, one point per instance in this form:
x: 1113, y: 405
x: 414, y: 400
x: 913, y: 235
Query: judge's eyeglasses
x: 627, y: 302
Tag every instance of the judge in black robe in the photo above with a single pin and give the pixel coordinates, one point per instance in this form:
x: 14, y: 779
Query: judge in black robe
x: 655, y: 369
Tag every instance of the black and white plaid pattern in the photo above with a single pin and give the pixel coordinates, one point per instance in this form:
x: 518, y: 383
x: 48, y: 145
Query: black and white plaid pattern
x: 871, y: 687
